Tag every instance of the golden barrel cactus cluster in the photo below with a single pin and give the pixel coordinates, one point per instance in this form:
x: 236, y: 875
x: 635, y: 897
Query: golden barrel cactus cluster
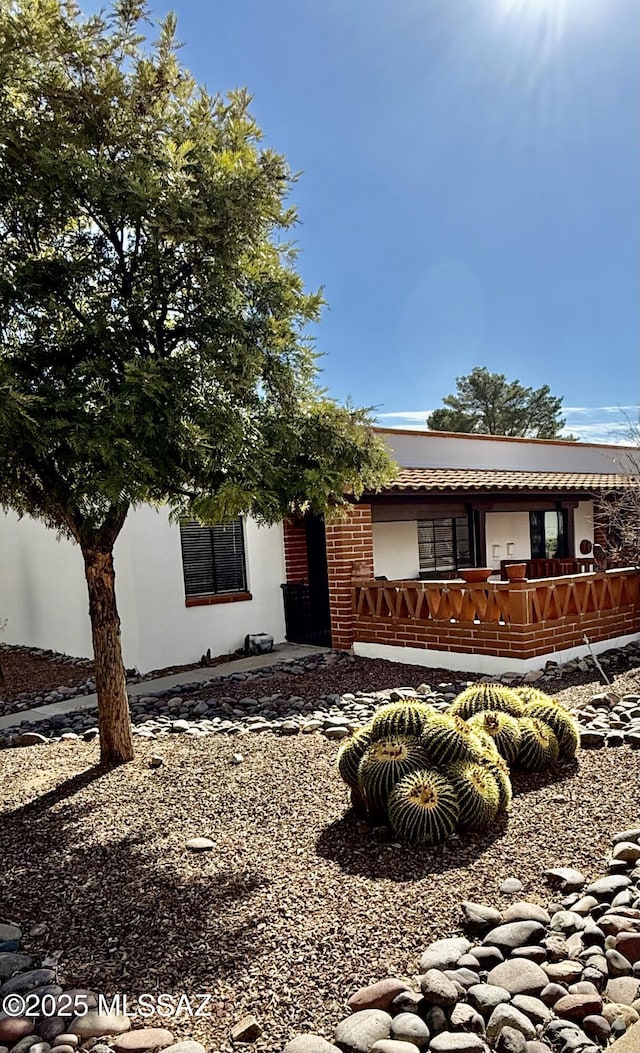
x: 429, y: 774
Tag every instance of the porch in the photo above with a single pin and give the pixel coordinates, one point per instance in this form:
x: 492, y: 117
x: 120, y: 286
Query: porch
x: 494, y: 626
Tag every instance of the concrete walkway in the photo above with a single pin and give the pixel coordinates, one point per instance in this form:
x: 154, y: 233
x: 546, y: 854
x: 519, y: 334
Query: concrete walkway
x: 285, y: 652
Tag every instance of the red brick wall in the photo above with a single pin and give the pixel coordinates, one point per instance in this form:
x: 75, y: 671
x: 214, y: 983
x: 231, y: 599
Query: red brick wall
x: 523, y: 637
x: 295, y: 550
x: 349, y: 541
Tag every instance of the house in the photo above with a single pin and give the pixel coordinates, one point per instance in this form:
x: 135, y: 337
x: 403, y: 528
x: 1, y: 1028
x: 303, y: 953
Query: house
x: 384, y: 580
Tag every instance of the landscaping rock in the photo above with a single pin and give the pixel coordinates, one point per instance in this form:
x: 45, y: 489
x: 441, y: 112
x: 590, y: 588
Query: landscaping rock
x: 509, y: 1016
x: 408, y: 1027
x: 310, y: 1044
x: 358, y: 1032
x: 377, y: 996
x: 511, y: 1041
x: 143, y: 1039
x: 437, y: 989
x: 457, y: 1042
x: 515, y: 934
x: 389, y: 1045
x: 518, y: 976
x: 95, y: 1024
x: 479, y: 917
x: 443, y: 954
x: 485, y: 997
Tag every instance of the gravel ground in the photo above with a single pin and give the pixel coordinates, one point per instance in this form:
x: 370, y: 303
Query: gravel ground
x: 24, y: 671
x: 295, y: 907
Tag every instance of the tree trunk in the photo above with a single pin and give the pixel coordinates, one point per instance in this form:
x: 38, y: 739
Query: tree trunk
x: 116, y: 745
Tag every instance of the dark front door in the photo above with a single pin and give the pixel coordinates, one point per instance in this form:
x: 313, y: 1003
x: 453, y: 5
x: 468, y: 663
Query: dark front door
x: 306, y: 604
x: 318, y: 581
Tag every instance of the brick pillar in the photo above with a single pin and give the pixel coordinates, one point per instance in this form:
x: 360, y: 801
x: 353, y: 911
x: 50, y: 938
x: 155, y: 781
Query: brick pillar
x: 295, y: 550
x: 349, y: 541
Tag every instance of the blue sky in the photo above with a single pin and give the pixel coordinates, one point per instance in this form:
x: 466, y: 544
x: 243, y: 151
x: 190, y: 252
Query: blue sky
x: 469, y: 191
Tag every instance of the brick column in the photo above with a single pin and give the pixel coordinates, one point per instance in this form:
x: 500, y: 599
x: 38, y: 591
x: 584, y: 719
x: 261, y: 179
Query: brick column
x: 295, y: 550
x: 349, y: 541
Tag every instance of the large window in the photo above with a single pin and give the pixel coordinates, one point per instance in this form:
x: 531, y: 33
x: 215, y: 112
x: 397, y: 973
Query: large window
x: 213, y: 559
x: 548, y: 534
x: 444, y: 546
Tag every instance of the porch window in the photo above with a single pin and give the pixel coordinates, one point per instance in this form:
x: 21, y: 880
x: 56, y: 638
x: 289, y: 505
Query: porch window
x: 444, y: 546
x: 213, y: 561
x: 548, y: 534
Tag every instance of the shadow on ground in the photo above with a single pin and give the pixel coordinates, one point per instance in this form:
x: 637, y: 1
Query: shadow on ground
x: 372, y: 853
x: 187, y: 925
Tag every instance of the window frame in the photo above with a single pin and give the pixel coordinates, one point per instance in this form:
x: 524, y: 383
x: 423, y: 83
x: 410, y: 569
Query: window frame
x: 456, y: 563
x: 212, y: 593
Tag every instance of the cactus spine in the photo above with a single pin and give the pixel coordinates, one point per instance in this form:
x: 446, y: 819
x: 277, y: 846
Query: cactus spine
x: 423, y: 808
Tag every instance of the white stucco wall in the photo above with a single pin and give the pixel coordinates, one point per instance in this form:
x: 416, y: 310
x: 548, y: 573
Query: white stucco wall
x: 507, y: 529
x: 434, y: 450
x: 583, y: 523
x: 45, y: 601
x: 395, y: 549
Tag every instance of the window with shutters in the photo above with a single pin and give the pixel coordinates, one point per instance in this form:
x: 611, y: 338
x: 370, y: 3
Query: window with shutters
x: 444, y: 546
x: 213, y: 562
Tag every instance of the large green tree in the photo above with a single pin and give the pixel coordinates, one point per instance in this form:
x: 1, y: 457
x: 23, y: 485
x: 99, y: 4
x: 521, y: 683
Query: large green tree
x: 153, y: 325
x: 488, y: 404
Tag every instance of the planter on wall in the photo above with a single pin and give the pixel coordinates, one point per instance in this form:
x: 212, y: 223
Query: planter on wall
x: 516, y: 571
x: 476, y: 574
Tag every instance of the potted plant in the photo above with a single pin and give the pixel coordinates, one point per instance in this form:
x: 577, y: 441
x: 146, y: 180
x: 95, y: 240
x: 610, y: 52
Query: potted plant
x: 473, y: 575
x: 517, y: 571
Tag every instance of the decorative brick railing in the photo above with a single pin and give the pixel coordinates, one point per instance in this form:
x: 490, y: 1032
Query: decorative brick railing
x: 513, y: 619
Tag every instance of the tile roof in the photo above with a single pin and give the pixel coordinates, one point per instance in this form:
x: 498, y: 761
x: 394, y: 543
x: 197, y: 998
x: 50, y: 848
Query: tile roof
x: 450, y: 479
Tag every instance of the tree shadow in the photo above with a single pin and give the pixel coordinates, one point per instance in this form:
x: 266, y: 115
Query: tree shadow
x: 353, y: 845
x: 126, y: 919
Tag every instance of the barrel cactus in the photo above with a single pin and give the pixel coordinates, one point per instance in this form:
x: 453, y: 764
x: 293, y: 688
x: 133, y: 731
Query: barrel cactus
x: 450, y: 739
x: 383, y: 765
x: 351, y: 752
x: 400, y: 719
x: 478, y: 794
x: 500, y: 771
x: 480, y: 697
x: 424, y: 808
x: 538, y: 747
x: 563, y: 725
x: 502, y: 729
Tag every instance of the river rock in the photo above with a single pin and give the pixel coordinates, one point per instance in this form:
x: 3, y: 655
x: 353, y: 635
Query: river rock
x: 608, y: 886
x: 465, y: 1018
x: 565, y: 878
x: 437, y: 989
x: 518, y: 976
x: 563, y: 972
x: 577, y: 1006
x: 94, y: 1024
x: 485, y: 997
x: 13, y: 1028
x: 143, y: 1039
x: 377, y: 996
x: 534, y: 1008
x: 11, y: 963
x: 310, y: 1044
x: 524, y: 911
x: 509, y: 1016
x: 515, y: 934
x: 457, y: 1042
x: 387, y: 1045
x: 623, y: 989
x: 358, y: 1032
x: 628, y: 944
x: 511, y: 1041
x: 479, y: 917
x: 443, y: 954
x: 408, y: 1027
x: 596, y: 1027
